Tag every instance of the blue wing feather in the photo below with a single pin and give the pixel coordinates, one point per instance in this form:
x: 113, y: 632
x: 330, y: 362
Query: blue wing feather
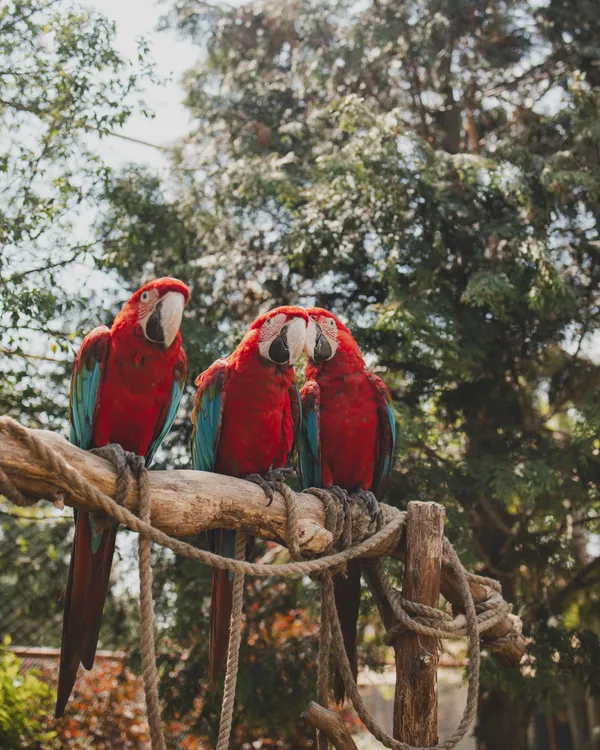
x: 85, y: 386
x: 207, y: 416
x: 387, y: 436
x: 309, y: 448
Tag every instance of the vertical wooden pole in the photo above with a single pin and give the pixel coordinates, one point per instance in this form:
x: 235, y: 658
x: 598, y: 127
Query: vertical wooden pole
x: 415, y: 700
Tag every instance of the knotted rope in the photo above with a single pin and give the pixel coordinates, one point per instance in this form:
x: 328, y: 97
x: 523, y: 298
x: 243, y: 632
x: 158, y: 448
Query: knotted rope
x: 354, y: 534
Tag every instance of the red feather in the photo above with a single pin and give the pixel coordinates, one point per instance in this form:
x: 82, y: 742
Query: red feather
x: 131, y: 408
x: 354, y: 436
x: 257, y: 433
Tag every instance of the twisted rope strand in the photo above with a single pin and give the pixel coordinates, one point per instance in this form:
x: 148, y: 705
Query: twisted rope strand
x: 233, y: 650
x: 147, y: 622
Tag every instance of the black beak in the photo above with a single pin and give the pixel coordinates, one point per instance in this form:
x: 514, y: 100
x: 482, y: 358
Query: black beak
x: 154, y: 329
x: 323, y: 349
x: 279, y: 351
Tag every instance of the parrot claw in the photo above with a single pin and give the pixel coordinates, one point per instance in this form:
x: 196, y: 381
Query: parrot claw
x: 265, y: 484
x: 342, y: 496
x: 369, y: 503
x: 280, y: 475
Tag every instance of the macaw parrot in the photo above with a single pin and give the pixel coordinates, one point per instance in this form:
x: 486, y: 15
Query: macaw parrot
x: 346, y: 440
x: 245, y: 421
x: 126, y: 387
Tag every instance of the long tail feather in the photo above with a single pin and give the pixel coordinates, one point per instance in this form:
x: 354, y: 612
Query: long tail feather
x: 222, y: 543
x: 347, y: 602
x: 87, y: 586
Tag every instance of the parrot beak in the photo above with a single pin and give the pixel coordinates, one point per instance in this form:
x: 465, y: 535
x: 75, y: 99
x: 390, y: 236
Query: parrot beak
x: 312, y: 332
x: 296, y: 338
x: 317, y: 346
x: 163, y: 324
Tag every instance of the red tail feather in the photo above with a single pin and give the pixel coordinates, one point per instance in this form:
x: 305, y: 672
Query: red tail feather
x: 220, y: 615
x: 347, y: 602
x: 87, y: 587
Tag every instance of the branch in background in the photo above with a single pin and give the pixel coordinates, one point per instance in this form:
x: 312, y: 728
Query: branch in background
x: 24, y: 355
x: 581, y: 580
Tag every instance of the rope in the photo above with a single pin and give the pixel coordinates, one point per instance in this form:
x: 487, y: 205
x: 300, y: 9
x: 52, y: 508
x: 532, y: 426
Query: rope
x: 354, y: 534
x: 124, y: 460
x: 388, y: 536
x: 233, y: 650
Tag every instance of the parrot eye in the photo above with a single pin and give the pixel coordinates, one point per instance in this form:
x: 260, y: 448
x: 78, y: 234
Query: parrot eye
x: 145, y: 296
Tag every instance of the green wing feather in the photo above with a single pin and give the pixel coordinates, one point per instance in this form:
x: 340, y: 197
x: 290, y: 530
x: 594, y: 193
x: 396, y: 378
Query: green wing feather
x: 87, y: 377
x: 208, y: 415
x: 387, y: 436
x: 309, y: 441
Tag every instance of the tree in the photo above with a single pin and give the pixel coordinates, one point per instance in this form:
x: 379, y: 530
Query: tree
x: 62, y: 85
x: 430, y: 172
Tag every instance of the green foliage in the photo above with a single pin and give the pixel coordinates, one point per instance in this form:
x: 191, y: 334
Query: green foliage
x: 25, y: 701
x: 430, y: 172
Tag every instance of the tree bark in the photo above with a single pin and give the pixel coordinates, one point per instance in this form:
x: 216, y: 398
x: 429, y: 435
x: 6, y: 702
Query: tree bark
x: 330, y: 724
x: 415, y: 700
x: 187, y: 502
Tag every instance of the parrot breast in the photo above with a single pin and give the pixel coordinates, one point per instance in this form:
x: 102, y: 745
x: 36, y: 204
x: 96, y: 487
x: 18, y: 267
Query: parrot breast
x: 257, y: 429
x: 349, y: 434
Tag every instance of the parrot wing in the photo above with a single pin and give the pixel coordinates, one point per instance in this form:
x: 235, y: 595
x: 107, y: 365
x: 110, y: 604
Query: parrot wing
x: 309, y: 441
x: 92, y: 553
x: 386, y: 436
x: 88, y: 373
x: 207, y: 418
x: 207, y: 415
x: 169, y: 410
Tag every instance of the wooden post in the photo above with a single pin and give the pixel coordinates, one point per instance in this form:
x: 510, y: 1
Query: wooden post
x: 415, y: 700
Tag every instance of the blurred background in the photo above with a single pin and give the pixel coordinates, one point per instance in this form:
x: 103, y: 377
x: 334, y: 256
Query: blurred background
x: 428, y: 170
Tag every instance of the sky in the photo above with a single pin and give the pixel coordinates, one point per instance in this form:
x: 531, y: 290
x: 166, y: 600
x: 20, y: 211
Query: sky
x: 172, y: 55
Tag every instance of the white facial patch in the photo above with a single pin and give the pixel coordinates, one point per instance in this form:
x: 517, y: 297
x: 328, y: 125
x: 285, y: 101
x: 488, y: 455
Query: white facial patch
x: 270, y: 329
x: 295, y: 336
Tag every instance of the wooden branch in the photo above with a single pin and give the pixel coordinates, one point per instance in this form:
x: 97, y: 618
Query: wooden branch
x: 415, y: 700
x: 330, y: 724
x: 184, y: 502
x: 187, y: 502
x: 509, y: 651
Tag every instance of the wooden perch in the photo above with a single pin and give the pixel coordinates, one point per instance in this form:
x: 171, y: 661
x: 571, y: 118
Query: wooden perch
x: 187, y: 502
x: 331, y: 724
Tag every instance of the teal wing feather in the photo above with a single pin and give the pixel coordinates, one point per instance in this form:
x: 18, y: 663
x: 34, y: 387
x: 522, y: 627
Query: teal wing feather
x: 87, y: 377
x: 309, y: 441
x: 208, y: 415
x: 170, y: 408
x: 386, y: 436
x: 296, y: 409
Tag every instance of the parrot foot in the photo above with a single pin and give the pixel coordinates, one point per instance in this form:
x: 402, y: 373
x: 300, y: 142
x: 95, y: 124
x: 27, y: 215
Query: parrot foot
x: 368, y: 502
x: 280, y: 475
x: 266, y: 485
x: 265, y: 481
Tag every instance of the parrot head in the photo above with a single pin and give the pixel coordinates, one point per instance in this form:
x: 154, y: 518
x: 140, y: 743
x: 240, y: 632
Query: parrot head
x: 326, y: 337
x: 280, y: 335
x: 157, y: 309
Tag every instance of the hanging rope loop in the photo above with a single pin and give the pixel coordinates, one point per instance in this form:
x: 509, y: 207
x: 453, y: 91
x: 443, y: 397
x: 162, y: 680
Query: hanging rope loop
x: 356, y: 526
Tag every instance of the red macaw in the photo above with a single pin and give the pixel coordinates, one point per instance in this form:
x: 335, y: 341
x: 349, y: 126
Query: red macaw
x: 245, y: 419
x: 126, y: 387
x: 346, y: 440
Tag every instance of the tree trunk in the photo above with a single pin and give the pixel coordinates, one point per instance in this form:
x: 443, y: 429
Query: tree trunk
x: 502, y: 722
